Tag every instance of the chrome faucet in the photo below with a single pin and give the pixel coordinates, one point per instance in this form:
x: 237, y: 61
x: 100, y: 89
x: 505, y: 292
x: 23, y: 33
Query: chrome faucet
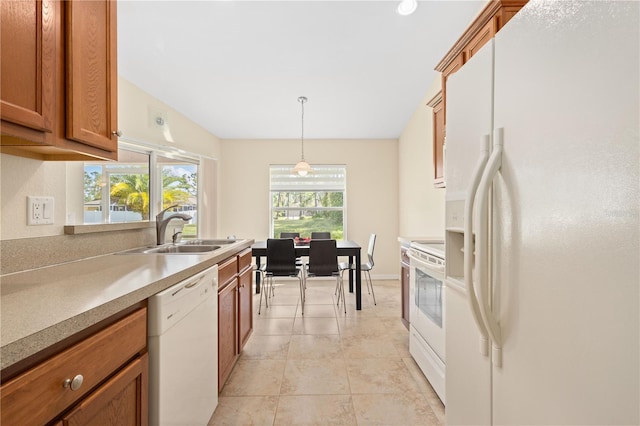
x: 162, y: 222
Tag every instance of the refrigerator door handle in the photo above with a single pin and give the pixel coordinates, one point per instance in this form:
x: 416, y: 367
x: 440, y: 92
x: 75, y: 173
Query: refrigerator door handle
x: 482, y: 259
x: 468, y: 244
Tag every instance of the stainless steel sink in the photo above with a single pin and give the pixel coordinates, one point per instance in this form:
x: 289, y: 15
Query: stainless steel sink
x: 204, y: 242
x: 183, y: 248
x: 173, y: 249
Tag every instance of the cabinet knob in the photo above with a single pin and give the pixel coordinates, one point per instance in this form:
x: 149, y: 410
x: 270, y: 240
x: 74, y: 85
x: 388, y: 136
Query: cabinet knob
x: 74, y: 383
x: 117, y: 133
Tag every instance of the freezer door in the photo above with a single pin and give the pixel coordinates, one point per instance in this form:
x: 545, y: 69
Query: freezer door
x: 566, y: 214
x: 469, y: 117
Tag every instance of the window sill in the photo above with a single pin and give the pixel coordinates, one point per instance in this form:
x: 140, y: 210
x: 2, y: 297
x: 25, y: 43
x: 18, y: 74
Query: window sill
x: 106, y: 227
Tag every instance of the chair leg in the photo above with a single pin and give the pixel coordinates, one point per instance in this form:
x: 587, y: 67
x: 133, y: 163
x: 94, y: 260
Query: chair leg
x: 264, y: 289
x: 344, y: 299
x: 302, y: 292
x: 340, y: 291
x: 269, y: 292
x: 370, y: 285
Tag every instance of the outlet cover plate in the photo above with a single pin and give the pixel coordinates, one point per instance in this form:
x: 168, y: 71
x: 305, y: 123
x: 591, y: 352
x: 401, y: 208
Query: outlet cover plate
x: 40, y: 210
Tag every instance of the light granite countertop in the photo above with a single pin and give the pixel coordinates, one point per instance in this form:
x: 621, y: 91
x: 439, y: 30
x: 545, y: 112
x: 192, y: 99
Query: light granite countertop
x: 406, y: 240
x: 43, y: 306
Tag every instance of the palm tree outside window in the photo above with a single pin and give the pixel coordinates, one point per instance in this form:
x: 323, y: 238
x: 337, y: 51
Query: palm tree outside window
x: 124, y: 191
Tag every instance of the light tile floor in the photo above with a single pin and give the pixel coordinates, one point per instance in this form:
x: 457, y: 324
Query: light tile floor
x: 328, y: 367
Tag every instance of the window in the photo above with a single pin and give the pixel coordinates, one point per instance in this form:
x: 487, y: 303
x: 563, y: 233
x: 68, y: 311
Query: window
x: 117, y: 192
x: 315, y: 202
x: 126, y: 191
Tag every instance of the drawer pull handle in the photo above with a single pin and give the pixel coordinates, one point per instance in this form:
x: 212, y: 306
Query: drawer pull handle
x: 117, y: 133
x: 74, y: 383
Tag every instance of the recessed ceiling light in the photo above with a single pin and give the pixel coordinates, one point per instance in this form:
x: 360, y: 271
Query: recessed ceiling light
x: 407, y: 7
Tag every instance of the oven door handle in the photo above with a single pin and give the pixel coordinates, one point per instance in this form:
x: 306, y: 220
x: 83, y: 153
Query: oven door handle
x: 482, y: 257
x: 468, y: 245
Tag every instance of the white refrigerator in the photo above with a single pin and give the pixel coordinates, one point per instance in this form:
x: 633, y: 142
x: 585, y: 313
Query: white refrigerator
x: 542, y: 221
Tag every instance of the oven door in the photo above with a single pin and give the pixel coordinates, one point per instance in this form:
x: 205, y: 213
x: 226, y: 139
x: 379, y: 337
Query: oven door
x: 427, y: 301
x: 426, y: 330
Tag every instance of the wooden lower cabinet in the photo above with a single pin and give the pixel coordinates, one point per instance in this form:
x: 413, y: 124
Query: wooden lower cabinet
x: 120, y: 401
x: 227, y: 331
x: 245, y: 298
x: 235, y: 311
x: 100, y: 379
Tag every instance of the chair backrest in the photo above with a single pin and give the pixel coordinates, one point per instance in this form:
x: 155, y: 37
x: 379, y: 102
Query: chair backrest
x: 323, y: 258
x: 321, y: 235
x: 289, y: 235
x: 372, y: 244
x: 281, y: 257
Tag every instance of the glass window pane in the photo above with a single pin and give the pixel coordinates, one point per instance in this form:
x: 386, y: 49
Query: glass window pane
x: 180, y: 186
x: 307, y: 221
x: 117, y: 192
x: 315, y: 202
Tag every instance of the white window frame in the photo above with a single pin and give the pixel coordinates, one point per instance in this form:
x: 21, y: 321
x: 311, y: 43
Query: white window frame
x: 155, y: 187
x: 297, y: 184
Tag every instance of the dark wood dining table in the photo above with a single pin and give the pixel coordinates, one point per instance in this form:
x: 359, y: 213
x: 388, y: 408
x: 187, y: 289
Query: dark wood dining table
x: 345, y: 248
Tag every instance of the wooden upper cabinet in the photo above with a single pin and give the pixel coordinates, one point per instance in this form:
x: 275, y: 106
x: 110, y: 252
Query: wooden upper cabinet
x: 27, y: 76
x: 438, y: 139
x: 92, y: 73
x: 59, y: 79
x: 485, y: 26
x: 483, y: 36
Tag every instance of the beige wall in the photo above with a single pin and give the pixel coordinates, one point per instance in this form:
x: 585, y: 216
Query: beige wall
x: 137, y: 111
x: 390, y: 189
x: 21, y: 177
x: 63, y: 180
x: 421, y: 206
x: 372, y: 183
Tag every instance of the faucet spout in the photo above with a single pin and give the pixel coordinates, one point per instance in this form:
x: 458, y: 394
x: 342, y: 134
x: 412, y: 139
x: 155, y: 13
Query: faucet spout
x: 162, y: 222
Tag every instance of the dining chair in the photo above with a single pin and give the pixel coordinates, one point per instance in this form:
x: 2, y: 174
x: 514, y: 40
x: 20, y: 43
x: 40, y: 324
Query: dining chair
x: 289, y: 235
x: 364, y: 267
x: 281, y: 262
x: 292, y: 235
x: 323, y: 262
x: 321, y: 235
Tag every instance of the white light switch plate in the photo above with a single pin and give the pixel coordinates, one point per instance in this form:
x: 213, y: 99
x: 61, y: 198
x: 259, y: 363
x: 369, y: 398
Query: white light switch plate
x: 40, y: 210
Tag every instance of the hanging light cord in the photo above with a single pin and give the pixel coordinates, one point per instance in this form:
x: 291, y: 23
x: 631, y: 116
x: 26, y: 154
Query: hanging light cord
x: 302, y: 100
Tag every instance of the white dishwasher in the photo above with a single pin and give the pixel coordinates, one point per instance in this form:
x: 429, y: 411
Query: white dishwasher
x: 183, y: 351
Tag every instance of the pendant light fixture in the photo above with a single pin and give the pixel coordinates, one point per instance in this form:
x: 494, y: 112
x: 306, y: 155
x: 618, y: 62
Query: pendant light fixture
x: 302, y: 168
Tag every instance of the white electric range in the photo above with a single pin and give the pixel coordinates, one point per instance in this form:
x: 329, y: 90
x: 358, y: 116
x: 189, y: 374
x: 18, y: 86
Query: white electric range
x: 426, y: 311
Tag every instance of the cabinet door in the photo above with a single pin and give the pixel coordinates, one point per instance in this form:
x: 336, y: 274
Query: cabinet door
x: 245, y: 307
x: 91, y: 73
x: 404, y: 287
x: 27, y: 76
x: 121, y: 401
x: 438, y: 145
x: 480, y: 39
x: 227, y: 331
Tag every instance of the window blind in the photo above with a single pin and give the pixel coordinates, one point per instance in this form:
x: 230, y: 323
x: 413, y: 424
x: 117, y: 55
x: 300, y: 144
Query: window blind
x: 323, y: 178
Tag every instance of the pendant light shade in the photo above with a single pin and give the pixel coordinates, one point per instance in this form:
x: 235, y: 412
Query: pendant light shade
x: 302, y: 168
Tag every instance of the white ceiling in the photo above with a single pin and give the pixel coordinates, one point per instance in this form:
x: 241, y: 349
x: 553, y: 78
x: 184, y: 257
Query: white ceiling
x: 238, y: 67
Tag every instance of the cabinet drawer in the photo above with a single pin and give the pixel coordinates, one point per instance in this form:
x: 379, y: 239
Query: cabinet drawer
x: 244, y: 260
x: 38, y: 395
x: 227, y: 270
